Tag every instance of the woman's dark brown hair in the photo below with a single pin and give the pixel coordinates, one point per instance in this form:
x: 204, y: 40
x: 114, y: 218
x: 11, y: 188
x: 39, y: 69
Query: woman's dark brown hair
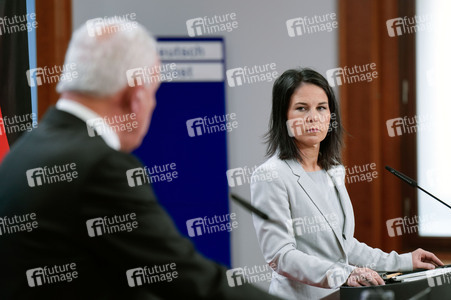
x: 277, y: 137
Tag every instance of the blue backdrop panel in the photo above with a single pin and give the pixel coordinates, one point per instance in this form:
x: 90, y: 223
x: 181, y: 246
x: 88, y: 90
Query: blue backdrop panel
x: 201, y: 162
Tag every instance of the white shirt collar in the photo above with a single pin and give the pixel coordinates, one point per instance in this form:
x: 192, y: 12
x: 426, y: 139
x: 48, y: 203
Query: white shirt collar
x: 87, y: 115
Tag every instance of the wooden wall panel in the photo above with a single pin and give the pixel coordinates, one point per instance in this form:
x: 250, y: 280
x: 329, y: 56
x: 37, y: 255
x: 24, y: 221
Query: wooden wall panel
x: 390, y: 102
x: 366, y: 106
x: 54, y: 19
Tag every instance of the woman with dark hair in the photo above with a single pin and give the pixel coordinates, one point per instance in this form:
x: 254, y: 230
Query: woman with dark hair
x: 313, y: 250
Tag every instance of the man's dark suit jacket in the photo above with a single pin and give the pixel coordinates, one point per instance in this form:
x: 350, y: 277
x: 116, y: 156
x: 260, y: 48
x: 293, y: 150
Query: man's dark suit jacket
x: 62, y: 210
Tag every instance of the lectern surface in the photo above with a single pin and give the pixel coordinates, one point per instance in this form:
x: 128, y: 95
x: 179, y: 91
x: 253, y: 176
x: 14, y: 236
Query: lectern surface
x: 434, y: 288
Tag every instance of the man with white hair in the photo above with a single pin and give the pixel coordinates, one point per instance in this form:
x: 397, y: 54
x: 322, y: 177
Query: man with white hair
x: 71, y: 225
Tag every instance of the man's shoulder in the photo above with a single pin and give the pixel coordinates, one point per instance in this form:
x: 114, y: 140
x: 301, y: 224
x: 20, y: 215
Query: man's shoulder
x: 62, y: 139
x: 58, y: 128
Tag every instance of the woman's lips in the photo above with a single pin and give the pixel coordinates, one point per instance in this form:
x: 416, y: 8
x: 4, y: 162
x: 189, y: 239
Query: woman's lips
x: 312, y: 130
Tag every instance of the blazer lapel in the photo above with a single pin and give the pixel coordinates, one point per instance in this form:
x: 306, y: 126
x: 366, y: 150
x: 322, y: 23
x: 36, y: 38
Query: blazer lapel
x: 338, y: 177
x: 315, y: 195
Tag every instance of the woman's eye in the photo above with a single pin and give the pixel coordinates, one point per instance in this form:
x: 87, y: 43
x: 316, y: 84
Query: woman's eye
x: 321, y: 108
x: 301, y: 108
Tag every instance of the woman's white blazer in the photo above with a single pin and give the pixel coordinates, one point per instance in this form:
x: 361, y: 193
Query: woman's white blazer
x: 310, y: 255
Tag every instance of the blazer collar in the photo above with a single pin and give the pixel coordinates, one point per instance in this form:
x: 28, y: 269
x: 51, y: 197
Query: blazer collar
x: 317, y: 196
x: 92, y: 119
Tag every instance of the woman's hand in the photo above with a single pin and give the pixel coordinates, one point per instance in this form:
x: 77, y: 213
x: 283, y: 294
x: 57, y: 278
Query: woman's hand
x: 364, y: 277
x: 422, y: 259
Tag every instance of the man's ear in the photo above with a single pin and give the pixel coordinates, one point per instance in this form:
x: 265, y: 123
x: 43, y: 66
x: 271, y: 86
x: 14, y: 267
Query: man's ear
x: 137, y: 99
x: 132, y: 100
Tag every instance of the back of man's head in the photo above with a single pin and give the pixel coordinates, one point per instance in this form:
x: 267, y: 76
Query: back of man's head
x: 102, y: 50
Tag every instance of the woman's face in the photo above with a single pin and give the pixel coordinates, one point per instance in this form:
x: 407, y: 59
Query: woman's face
x: 308, y: 115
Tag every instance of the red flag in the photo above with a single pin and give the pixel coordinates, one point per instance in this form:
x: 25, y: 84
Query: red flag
x: 4, y: 146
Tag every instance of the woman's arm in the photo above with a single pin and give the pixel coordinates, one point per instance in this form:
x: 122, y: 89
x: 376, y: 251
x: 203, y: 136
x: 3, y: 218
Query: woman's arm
x: 360, y: 254
x: 373, y: 258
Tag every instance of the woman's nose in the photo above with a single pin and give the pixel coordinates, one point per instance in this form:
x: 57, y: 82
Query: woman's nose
x: 312, y: 116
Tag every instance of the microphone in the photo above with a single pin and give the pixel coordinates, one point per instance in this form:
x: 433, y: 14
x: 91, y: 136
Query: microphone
x: 250, y: 207
x: 402, y: 176
x: 413, y: 183
x: 256, y: 211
